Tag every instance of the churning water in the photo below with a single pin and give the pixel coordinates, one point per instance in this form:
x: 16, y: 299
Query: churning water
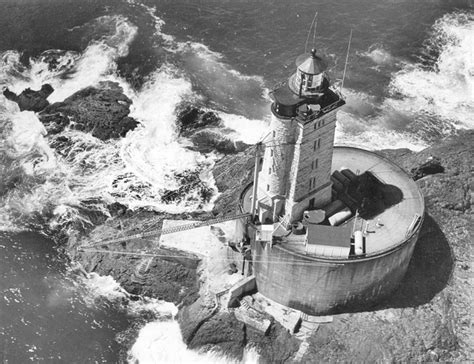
x: 409, y: 84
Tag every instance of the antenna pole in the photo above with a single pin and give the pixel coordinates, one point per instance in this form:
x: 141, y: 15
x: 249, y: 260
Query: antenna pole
x: 309, y: 32
x: 347, y: 59
x: 314, y: 30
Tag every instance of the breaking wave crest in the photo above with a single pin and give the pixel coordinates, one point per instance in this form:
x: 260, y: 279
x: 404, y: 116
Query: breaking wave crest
x: 426, y: 100
x: 158, y: 341
x: 442, y: 84
x: 161, y: 342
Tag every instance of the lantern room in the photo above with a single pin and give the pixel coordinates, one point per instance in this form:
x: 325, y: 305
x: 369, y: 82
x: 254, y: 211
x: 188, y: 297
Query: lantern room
x: 309, y: 85
x: 310, y: 78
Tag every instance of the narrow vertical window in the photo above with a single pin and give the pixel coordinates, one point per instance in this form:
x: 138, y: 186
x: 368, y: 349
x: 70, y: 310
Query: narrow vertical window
x: 274, y: 133
x: 316, y: 163
x: 319, y: 143
x: 271, y: 152
x: 268, y: 187
x: 269, y: 171
x: 315, y: 145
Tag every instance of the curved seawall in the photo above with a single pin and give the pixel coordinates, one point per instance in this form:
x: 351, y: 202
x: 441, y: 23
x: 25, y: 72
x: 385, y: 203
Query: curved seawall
x: 322, y: 286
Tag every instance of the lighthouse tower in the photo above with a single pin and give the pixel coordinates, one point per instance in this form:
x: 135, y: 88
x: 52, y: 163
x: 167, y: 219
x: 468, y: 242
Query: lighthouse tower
x: 296, y: 167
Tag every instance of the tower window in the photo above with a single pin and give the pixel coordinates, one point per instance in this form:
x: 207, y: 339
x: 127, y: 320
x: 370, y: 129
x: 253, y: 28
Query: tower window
x: 269, y: 171
x: 317, y: 144
x: 312, y: 183
x: 268, y: 187
x: 314, y: 164
x: 274, y: 133
x: 271, y: 152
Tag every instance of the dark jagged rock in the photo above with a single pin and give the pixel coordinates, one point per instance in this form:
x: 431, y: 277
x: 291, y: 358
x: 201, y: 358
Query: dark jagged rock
x: 207, y: 141
x: 192, y: 317
x: 191, y: 118
x: 167, y: 279
x: 29, y: 99
x: 101, y: 110
x: 431, y: 166
x: 204, y: 129
x: 278, y: 346
x: 223, y: 332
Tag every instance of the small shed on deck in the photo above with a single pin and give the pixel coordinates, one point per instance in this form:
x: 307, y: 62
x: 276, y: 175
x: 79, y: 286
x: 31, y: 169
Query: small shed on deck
x: 328, y: 241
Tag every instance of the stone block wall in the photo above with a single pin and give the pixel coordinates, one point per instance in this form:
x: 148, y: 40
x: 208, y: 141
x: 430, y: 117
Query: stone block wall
x: 279, y: 149
x: 312, y: 159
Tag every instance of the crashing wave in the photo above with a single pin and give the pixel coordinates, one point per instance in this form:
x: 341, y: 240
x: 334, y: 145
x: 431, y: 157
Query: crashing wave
x: 445, y: 89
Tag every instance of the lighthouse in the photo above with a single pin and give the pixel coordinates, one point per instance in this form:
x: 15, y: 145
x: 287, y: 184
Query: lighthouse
x: 296, y: 167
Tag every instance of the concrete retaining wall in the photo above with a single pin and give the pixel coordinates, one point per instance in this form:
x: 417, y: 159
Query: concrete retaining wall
x: 245, y: 286
x: 316, y: 286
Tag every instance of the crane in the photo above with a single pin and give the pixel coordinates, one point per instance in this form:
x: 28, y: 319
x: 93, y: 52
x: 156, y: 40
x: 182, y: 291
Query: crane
x: 159, y: 232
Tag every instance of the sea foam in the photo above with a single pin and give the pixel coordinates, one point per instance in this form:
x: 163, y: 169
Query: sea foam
x: 446, y: 90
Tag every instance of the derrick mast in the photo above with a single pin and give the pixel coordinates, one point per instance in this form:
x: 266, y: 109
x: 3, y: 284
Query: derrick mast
x: 296, y: 167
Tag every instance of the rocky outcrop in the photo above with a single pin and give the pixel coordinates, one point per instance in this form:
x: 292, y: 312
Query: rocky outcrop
x: 206, y: 141
x: 205, y: 130
x: 431, y: 166
x: 426, y: 319
x: 101, y: 110
x: 222, y: 332
x: 190, y: 118
x: 29, y: 99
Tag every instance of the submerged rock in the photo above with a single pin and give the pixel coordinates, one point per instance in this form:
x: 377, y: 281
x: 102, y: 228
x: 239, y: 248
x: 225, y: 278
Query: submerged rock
x: 29, y: 99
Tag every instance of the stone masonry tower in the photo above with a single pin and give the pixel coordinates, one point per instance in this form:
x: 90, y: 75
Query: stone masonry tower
x: 296, y: 167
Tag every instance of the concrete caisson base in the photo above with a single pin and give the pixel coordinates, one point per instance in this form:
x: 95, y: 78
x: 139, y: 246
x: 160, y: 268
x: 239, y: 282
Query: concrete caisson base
x: 317, y: 286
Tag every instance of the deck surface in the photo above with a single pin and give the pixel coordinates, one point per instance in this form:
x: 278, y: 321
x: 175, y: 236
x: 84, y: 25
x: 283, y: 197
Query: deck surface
x: 390, y: 227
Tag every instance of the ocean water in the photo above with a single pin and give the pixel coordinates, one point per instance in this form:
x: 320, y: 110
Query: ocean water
x: 410, y: 83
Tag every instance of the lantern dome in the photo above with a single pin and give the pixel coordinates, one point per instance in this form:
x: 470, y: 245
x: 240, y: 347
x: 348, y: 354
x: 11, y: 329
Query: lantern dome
x: 311, y: 64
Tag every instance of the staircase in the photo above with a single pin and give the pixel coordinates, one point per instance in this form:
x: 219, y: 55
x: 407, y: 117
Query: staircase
x: 307, y: 328
x: 141, y: 269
